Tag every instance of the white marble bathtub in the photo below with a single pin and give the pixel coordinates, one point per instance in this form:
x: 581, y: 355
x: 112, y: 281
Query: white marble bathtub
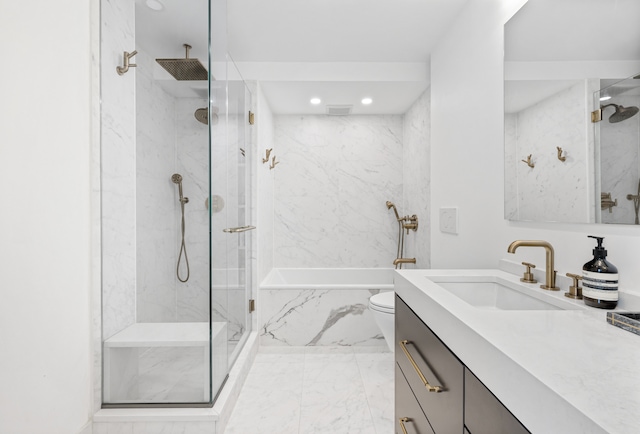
x: 321, y: 306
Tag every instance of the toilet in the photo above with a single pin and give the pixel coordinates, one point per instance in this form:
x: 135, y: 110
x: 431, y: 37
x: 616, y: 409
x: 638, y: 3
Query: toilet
x: 382, y: 307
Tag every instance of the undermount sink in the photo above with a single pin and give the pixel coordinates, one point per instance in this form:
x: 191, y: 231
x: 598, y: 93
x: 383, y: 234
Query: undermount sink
x: 499, y: 294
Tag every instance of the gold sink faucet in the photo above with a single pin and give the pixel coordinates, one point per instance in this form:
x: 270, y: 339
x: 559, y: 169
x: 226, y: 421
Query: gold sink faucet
x: 550, y: 279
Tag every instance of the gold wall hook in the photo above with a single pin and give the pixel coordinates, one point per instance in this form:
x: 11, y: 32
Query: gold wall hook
x: 529, y: 162
x: 560, y: 156
x: 266, y: 157
x: 273, y: 162
x: 127, y: 57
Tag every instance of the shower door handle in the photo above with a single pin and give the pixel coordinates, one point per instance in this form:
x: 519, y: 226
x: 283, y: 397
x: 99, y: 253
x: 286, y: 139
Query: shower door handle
x: 239, y: 229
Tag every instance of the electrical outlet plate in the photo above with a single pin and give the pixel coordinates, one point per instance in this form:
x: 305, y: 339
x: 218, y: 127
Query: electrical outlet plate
x: 449, y: 220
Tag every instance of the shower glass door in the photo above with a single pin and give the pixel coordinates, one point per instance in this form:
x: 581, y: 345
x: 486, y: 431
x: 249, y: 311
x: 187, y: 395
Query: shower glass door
x: 231, y: 230
x: 174, y: 176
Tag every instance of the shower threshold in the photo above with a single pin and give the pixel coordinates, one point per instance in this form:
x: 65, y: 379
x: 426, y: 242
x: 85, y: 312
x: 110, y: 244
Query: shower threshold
x: 211, y: 420
x: 159, y: 350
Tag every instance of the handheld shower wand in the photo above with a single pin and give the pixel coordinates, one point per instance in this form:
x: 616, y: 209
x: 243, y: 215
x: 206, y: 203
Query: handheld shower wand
x: 391, y: 205
x: 176, y: 178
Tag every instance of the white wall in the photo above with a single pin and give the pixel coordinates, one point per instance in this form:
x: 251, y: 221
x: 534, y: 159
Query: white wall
x: 467, y: 163
x: 46, y: 244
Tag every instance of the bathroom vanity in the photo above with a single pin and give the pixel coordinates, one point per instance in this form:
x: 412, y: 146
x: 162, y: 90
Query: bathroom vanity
x: 508, y: 365
x: 454, y: 399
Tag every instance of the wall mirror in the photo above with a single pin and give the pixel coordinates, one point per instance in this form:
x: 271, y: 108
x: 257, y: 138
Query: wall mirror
x: 564, y: 60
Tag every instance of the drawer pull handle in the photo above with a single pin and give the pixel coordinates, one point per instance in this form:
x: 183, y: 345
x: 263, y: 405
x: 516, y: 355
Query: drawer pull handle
x: 429, y: 387
x: 402, y: 421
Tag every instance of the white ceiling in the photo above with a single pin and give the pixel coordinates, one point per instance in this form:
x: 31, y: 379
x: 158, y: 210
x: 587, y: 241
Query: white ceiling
x: 344, y: 50
x: 337, y: 50
x: 574, y: 30
x: 337, y: 30
x: 571, y: 39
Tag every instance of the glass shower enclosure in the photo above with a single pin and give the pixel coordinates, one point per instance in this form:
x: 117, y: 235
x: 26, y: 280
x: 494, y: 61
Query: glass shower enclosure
x: 175, y: 186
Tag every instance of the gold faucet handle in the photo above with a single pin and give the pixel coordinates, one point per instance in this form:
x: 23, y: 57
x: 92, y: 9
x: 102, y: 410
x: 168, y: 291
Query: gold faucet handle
x: 528, y: 275
x: 574, y: 290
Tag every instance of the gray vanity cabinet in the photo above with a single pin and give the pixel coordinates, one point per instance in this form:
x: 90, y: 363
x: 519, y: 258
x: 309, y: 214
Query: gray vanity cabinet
x: 483, y: 413
x: 462, y: 405
x: 408, y: 412
x: 438, y: 366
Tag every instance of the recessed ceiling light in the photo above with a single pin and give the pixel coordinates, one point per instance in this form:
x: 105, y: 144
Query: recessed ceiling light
x: 366, y: 101
x: 155, y: 5
x: 315, y: 101
x: 604, y: 98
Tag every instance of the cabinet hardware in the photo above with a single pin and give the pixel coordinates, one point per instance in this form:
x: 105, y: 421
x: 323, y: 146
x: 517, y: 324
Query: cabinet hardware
x: 429, y: 387
x: 402, y: 421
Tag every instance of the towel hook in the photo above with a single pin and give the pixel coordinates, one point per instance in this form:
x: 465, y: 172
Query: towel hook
x: 560, y: 156
x: 127, y: 57
x: 529, y: 162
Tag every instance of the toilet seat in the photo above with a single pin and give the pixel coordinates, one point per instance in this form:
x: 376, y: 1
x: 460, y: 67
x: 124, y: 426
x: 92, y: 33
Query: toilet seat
x: 383, y: 302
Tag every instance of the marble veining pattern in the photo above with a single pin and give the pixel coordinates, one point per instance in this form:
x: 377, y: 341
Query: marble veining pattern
x: 335, y: 175
x: 316, y: 390
x: 318, y: 317
x: 265, y: 188
x: 553, y: 190
x: 118, y: 169
x: 156, y: 197
x: 416, y: 151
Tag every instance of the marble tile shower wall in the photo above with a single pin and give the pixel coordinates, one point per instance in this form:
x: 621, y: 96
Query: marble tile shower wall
x: 562, y: 187
x: 620, y: 162
x: 416, y: 174
x: 156, y: 196
x: 335, y: 175
x: 192, y: 150
x: 118, y: 170
x: 264, y: 188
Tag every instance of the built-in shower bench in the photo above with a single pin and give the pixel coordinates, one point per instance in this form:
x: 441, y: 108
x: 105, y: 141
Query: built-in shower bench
x: 122, y: 352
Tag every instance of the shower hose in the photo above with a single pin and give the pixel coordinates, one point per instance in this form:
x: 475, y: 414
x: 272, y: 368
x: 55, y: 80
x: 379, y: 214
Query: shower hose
x: 183, y: 247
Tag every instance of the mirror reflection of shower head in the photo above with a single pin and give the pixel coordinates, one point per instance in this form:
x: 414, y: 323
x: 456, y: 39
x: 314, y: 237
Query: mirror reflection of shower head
x: 621, y: 113
x: 391, y: 205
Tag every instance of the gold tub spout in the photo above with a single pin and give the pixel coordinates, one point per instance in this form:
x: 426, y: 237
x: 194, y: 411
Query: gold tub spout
x: 550, y: 278
x: 399, y: 261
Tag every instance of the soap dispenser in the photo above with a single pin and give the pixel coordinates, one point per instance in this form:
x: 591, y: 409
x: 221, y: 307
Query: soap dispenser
x: 600, y: 280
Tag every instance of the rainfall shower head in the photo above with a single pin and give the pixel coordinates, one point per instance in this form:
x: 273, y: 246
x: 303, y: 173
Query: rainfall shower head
x: 184, y: 69
x: 621, y: 113
x: 176, y: 178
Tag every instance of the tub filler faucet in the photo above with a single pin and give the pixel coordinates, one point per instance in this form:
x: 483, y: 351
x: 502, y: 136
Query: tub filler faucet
x: 399, y: 261
x: 550, y: 279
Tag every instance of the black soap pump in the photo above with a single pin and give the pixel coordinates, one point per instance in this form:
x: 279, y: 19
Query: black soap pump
x: 600, y: 279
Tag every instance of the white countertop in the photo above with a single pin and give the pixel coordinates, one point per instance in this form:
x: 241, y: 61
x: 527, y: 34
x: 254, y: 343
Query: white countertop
x: 558, y: 371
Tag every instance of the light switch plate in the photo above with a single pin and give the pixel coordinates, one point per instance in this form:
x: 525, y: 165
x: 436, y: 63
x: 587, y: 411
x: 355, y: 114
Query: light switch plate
x: 449, y: 220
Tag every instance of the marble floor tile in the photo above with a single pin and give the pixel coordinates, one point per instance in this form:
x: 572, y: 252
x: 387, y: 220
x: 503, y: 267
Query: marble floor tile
x: 316, y: 390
